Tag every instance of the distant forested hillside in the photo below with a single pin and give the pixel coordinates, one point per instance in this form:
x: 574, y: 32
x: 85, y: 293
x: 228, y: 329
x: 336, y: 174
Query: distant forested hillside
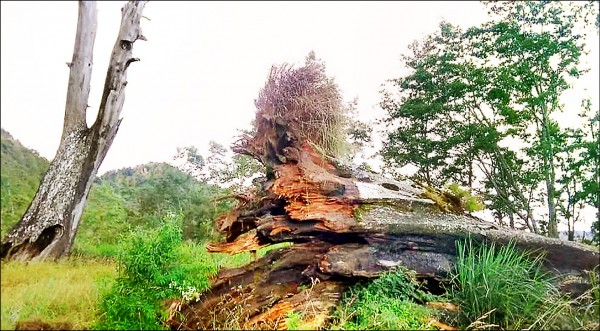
x: 140, y: 197
x: 22, y: 171
x: 120, y: 200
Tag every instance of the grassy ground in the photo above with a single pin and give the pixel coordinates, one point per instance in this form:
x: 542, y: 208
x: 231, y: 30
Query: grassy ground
x: 61, y: 292
x: 69, y: 292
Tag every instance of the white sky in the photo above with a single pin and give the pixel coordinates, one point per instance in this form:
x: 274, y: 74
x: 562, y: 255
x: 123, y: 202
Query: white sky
x: 204, y: 63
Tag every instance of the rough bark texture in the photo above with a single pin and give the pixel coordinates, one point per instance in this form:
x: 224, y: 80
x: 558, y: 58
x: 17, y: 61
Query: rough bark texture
x: 344, y: 225
x: 344, y: 229
x: 48, y: 228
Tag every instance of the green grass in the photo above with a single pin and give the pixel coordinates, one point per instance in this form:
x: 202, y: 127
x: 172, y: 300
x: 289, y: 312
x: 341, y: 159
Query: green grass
x: 53, y: 292
x: 500, y: 280
x: 499, y: 286
x: 72, y: 291
x: 386, y: 303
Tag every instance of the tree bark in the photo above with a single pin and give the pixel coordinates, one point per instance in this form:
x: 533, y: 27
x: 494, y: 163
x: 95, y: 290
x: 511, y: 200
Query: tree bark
x: 548, y: 170
x: 48, y: 227
x: 366, y: 226
x: 344, y: 225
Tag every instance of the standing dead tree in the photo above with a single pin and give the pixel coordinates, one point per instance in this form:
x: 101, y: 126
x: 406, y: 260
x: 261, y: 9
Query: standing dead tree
x: 48, y: 228
x: 345, y: 224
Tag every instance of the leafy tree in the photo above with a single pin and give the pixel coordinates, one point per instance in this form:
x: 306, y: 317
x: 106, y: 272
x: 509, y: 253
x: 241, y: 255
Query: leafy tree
x: 529, y: 36
x: 220, y: 167
x: 589, y: 164
x: 418, y: 117
x: 193, y: 162
x: 357, y: 133
x: 449, y: 104
x: 142, y: 197
x: 473, y: 97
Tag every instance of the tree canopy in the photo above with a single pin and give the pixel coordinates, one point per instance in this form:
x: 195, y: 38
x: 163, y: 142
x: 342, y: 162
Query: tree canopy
x: 479, y: 108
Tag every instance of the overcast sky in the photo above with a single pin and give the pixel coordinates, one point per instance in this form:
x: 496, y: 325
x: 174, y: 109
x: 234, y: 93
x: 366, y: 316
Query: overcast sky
x: 204, y: 63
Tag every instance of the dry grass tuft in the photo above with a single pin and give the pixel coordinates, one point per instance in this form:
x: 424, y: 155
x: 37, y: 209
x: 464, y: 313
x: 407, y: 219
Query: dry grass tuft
x: 307, y: 102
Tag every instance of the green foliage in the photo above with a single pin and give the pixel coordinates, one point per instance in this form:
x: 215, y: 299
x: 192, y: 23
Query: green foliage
x: 143, y: 196
x: 294, y: 321
x: 21, y: 173
x: 386, y: 303
x: 193, y: 162
x: 152, y: 267
x: 104, y: 219
x: 484, y: 99
x: 421, y: 128
x: 501, y: 282
x: 230, y: 171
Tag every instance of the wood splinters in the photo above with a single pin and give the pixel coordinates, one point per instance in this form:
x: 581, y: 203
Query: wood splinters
x: 440, y: 325
x: 278, y: 230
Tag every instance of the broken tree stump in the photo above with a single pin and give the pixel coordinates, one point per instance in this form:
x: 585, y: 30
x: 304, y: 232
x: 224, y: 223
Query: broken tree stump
x: 372, y: 225
x: 345, y: 224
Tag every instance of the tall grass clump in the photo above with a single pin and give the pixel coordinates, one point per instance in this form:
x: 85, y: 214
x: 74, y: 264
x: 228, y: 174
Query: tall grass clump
x: 500, y: 287
x: 387, y: 303
x: 154, y: 265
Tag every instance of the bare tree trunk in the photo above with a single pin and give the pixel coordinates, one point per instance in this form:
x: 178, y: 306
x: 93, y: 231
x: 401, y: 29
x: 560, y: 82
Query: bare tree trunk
x: 549, y: 174
x: 48, y: 228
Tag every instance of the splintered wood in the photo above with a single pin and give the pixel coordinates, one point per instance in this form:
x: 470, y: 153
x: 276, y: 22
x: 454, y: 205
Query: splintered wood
x: 247, y: 242
x: 344, y: 226
x: 314, y: 191
x: 262, y: 294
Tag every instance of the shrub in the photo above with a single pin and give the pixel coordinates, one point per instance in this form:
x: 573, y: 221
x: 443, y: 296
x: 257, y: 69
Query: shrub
x: 153, y: 265
x: 504, y: 284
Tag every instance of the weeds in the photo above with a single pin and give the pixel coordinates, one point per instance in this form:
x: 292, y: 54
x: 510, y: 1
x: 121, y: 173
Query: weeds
x: 150, y: 264
x: 384, y: 304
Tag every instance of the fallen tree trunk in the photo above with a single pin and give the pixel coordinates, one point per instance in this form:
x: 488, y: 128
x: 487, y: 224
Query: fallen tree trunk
x: 373, y: 225
x: 344, y: 225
